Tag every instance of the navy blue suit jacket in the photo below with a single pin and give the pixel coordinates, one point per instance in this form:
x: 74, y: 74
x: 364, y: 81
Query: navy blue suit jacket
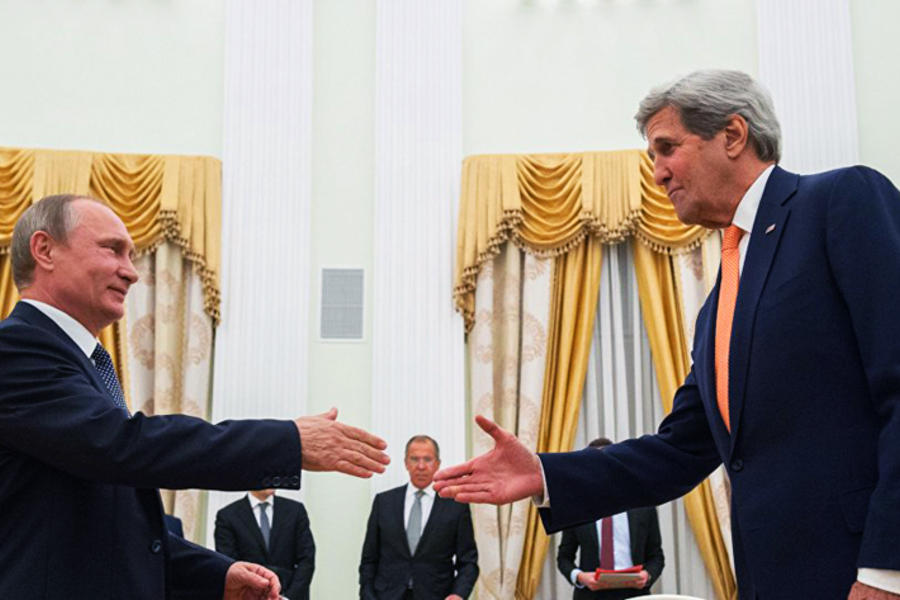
x: 445, y: 561
x: 80, y: 514
x: 814, y: 399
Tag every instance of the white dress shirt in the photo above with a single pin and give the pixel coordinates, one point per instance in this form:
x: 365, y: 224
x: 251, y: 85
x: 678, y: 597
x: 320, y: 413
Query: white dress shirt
x: 427, y: 503
x: 79, y: 334
x: 621, y: 545
x: 270, y: 509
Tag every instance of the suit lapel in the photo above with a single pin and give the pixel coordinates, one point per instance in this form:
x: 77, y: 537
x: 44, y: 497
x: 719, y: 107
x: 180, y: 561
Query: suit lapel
x: 634, y: 534
x: 761, y: 250
x: 245, y: 514
x: 397, y: 501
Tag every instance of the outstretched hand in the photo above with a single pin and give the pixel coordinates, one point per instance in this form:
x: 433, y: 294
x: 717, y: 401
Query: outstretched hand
x: 507, y: 473
x: 247, y: 581
x: 328, y: 445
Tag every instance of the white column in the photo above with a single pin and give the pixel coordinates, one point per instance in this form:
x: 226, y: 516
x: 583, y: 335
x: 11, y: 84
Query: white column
x: 261, y: 344
x: 417, y: 338
x: 806, y: 62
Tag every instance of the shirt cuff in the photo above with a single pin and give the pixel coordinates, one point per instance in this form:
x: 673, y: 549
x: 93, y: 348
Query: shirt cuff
x: 542, y: 501
x: 882, y: 579
x: 573, y: 576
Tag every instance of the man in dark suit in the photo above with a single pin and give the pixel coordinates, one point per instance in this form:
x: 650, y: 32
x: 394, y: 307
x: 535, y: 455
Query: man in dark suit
x: 274, y: 532
x: 81, y: 517
x: 634, y: 539
x: 795, y: 384
x: 418, y: 545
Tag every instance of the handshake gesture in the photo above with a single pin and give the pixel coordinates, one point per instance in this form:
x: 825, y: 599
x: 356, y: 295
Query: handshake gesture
x: 328, y: 445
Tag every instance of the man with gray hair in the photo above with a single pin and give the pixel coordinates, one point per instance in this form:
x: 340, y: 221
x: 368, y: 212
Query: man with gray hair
x: 80, y: 513
x: 795, y: 384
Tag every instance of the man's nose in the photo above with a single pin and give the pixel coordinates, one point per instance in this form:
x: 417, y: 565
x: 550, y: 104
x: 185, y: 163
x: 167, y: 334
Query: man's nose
x: 128, y: 272
x: 661, y: 174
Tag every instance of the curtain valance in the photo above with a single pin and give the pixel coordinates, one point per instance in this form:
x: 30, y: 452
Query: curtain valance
x: 548, y: 203
x: 158, y: 197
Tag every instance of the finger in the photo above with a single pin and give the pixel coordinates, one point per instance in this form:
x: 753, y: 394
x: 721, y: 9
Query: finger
x: 363, y: 460
x: 490, y: 428
x: 355, y: 433
x: 349, y: 468
x: 455, y: 471
x: 331, y: 415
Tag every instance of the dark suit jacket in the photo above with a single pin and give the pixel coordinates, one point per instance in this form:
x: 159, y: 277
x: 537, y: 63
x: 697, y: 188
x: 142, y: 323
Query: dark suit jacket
x: 814, y: 448
x: 173, y: 525
x: 646, y: 549
x: 80, y: 515
x: 447, y: 545
x: 291, y: 553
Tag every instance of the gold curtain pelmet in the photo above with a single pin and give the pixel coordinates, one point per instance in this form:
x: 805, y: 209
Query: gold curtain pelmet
x: 548, y: 203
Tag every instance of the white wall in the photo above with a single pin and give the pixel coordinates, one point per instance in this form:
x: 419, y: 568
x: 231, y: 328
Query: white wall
x: 563, y: 75
x: 130, y: 76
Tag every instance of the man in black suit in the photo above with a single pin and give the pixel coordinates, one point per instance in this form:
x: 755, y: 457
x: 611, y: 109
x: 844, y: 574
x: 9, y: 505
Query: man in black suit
x: 418, y: 545
x: 274, y: 532
x: 635, y: 541
x: 82, y: 516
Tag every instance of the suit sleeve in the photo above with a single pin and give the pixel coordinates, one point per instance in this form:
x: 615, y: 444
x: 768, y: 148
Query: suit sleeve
x: 654, y: 560
x: 51, y: 411
x: 863, y: 243
x: 565, y: 556
x: 304, y: 559
x: 196, y: 572
x: 224, y: 535
x: 466, y: 555
x: 587, y: 485
x: 368, y: 564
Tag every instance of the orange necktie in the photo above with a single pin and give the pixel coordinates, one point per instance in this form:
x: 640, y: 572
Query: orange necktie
x: 728, y: 289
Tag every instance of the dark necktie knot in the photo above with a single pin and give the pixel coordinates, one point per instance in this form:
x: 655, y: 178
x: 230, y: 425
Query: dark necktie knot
x: 107, y: 371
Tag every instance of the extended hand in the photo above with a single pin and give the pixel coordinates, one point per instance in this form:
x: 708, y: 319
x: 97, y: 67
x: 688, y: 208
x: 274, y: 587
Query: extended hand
x: 331, y: 446
x: 246, y: 581
x: 861, y: 591
x: 507, y: 473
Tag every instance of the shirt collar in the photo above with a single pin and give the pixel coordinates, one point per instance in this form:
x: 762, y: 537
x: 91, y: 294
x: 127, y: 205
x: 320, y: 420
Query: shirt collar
x: 745, y: 214
x: 83, y: 338
x: 254, y: 501
x: 411, y: 491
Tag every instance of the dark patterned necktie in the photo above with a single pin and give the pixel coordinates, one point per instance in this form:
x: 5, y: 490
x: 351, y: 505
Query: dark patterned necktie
x: 108, y: 374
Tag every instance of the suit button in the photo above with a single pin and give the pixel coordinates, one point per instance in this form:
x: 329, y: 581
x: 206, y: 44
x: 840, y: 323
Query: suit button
x: 156, y: 546
x: 737, y: 464
x: 276, y: 481
x: 295, y: 480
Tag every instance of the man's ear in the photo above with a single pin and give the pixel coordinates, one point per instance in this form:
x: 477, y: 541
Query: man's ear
x: 736, y: 136
x: 41, y: 245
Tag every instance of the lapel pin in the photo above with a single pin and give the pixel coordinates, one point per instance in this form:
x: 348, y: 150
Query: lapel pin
x: 770, y: 228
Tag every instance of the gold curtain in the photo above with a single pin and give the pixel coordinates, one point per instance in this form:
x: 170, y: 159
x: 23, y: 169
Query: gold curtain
x: 573, y: 306
x: 671, y: 358
x: 548, y: 204
x: 174, y: 198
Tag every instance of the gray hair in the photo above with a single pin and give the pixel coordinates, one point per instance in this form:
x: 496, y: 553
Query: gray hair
x: 51, y: 214
x: 705, y: 100
x: 424, y: 438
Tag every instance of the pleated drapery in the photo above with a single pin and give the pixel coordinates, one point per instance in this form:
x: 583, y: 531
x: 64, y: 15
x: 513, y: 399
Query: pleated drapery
x: 158, y: 197
x: 548, y: 203
x: 567, y: 206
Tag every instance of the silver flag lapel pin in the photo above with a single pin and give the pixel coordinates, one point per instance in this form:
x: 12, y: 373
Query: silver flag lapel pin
x: 770, y: 228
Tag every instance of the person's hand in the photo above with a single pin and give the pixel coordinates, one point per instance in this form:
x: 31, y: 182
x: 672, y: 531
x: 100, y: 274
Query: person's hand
x: 642, y: 582
x: 247, y: 581
x: 861, y: 591
x: 589, y: 580
x: 507, y: 473
x: 331, y: 446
